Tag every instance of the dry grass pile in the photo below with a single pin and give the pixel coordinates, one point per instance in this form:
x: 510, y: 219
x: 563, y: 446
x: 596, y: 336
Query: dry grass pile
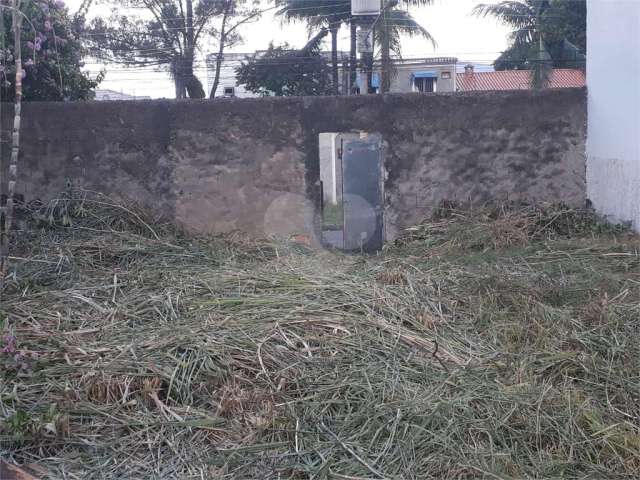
x: 480, y: 346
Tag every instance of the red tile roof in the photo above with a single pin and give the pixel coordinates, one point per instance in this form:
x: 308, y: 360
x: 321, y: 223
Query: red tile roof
x: 517, y: 80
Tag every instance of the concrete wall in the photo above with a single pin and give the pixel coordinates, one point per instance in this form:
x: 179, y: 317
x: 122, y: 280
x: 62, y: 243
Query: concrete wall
x: 253, y: 164
x: 329, y: 166
x: 613, y: 79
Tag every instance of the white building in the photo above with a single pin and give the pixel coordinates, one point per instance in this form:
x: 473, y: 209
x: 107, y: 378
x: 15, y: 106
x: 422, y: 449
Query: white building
x: 105, y: 95
x: 227, y: 86
x: 613, y: 80
x: 409, y: 75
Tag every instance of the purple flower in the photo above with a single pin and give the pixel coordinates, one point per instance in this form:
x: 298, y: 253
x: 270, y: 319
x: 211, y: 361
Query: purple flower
x: 29, y: 45
x: 47, y: 25
x: 9, y: 343
x: 29, y: 63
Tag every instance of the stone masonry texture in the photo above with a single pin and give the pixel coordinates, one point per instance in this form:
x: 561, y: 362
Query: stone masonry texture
x: 252, y: 165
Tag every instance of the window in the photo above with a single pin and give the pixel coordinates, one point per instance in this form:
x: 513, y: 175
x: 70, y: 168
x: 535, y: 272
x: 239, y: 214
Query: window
x: 424, y: 85
x: 446, y: 75
x: 229, y: 91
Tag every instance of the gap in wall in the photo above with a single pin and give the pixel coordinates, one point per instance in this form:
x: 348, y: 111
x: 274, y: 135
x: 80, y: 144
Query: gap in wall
x: 351, y: 181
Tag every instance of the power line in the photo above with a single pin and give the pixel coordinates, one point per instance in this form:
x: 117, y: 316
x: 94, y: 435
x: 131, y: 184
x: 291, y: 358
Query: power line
x: 182, y: 28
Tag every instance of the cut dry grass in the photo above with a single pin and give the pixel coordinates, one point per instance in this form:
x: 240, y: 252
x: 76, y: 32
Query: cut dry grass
x: 498, y: 344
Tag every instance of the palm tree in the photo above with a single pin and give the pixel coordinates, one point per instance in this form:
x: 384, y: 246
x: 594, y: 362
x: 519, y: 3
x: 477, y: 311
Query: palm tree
x: 393, y: 24
x: 321, y: 13
x: 521, y: 15
x: 389, y: 27
x: 538, y: 40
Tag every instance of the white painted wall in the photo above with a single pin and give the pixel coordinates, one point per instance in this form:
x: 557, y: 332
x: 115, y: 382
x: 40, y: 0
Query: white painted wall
x: 613, y: 80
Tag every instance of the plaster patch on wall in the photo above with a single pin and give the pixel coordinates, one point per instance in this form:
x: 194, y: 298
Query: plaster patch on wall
x: 235, y: 196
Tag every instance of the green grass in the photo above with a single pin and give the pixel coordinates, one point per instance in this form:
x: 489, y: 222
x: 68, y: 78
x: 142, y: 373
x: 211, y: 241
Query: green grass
x: 333, y: 215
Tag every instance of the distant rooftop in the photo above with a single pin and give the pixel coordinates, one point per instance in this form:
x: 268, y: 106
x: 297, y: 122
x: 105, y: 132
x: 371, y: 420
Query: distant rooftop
x: 105, y: 95
x: 472, y: 80
x: 343, y: 56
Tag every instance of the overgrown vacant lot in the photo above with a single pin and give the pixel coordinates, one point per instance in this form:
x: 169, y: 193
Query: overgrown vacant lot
x: 496, y: 344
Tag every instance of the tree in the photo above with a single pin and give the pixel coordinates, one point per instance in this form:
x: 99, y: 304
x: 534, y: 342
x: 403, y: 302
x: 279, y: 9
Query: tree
x: 394, y: 23
x: 321, y: 13
x: 558, y: 25
x: 283, y: 72
x: 389, y: 27
x: 53, y: 54
x: 169, y: 39
x: 227, y: 35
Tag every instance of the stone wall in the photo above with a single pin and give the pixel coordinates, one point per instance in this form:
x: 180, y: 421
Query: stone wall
x: 253, y: 164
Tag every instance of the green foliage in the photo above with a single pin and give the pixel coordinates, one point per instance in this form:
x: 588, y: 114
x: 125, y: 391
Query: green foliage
x: 281, y: 71
x: 317, y: 13
x: 392, y: 24
x: 168, y: 35
x: 395, y: 23
x: 52, y: 54
x: 23, y: 425
x: 561, y: 24
x: 333, y: 217
x: 169, y: 39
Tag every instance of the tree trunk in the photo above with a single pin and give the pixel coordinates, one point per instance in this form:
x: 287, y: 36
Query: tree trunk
x: 190, y: 81
x: 220, y: 57
x: 216, y: 78
x: 179, y: 85
x: 385, y: 54
x: 189, y: 26
x: 369, y: 63
x: 334, y: 58
x: 15, y: 146
x: 353, y: 57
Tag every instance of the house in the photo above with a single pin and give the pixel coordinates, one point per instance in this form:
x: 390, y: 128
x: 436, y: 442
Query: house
x: 427, y: 75
x: 227, y: 83
x: 105, y: 95
x: 472, y: 81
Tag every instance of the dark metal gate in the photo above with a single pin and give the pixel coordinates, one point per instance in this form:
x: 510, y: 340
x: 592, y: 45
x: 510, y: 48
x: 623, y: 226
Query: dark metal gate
x: 362, y: 195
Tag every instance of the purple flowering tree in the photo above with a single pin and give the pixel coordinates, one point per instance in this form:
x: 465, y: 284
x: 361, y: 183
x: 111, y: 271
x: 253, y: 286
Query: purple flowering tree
x: 52, y: 53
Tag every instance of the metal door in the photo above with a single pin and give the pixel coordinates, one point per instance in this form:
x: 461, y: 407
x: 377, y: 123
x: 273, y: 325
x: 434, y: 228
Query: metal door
x: 362, y: 195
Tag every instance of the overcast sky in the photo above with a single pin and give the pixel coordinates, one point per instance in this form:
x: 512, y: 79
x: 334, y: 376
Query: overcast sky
x: 449, y: 21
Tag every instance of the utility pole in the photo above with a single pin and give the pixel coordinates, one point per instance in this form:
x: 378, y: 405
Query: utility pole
x: 365, y: 47
x: 367, y: 13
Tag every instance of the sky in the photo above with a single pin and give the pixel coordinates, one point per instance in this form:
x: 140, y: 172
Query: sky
x: 457, y: 33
